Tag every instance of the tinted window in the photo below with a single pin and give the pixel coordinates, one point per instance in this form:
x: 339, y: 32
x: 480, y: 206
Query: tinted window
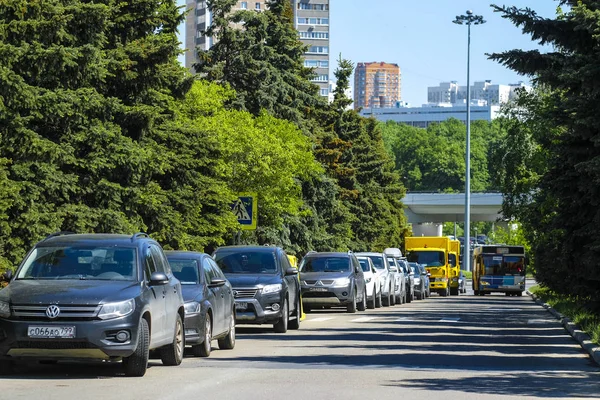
x: 159, y: 259
x: 215, y: 268
x: 103, y: 263
x: 364, y: 264
x: 185, y: 270
x: 378, y: 261
x: 247, y: 262
x: 325, y: 264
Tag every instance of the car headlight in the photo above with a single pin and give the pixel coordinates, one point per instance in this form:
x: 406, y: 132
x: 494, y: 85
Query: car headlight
x: 272, y: 288
x: 116, y: 310
x: 191, y: 307
x: 4, y: 309
x: 484, y: 283
x: 342, y: 282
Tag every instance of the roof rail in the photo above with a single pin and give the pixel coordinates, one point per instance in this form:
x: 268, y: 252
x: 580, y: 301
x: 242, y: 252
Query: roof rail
x: 139, y: 234
x: 60, y: 233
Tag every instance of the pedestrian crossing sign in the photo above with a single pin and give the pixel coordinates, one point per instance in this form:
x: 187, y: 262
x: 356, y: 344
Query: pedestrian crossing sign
x: 246, y: 210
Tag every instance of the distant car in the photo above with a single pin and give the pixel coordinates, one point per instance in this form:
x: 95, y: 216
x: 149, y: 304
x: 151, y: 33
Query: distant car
x: 400, y: 289
x: 424, y: 278
x: 209, y: 302
x: 372, y: 282
x: 332, y: 280
x: 384, y: 276
x: 93, y: 297
x: 462, y: 282
x: 265, y: 285
x: 421, y: 280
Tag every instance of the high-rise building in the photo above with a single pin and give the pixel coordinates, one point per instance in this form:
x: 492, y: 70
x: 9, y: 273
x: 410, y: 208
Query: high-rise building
x: 376, y: 85
x: 311, y: 20
x: 492, y: 94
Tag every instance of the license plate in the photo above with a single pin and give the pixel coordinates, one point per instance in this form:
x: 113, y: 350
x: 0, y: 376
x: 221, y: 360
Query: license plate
x: 241, y: 306
x: 51, y: 332
x: 317, y: 289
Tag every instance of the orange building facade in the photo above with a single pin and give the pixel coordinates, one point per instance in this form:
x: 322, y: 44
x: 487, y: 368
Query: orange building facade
x: 377, y: 85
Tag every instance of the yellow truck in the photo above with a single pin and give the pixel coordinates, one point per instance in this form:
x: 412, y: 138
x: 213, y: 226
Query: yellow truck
x: 453, y: 260
x: 432, y: 252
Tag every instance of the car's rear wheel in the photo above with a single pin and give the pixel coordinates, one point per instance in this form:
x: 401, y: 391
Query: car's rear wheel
x: 410, y: 296
x: 203, y: 349
x: 351, y: 307
x: 282, y: 325
x: 173, y: 353
x: 362, y: 306
x: 371, y: 304
x: 378, y: 300
x: 295, y: 323
x: 228, y: 342
x: 137, y: 363
x: 392, y: 296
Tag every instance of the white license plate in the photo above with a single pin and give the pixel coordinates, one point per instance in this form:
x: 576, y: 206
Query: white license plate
x: 317, y: 289
x: 241, y: 306
x: 51, y: 332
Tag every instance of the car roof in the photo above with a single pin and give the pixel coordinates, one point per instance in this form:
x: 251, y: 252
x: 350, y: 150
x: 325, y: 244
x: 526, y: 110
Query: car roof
x: 257, y: 248
x: 184, y: 254
x: 328, y: 254
x: 94, y: 239
x: 368, y: 254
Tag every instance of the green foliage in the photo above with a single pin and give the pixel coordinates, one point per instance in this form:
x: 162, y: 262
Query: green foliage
x: 561, y: 128
x: 433, y: 159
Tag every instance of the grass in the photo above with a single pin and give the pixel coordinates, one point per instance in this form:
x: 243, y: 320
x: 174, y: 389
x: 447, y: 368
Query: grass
x: 468, y: 274
x: 572, y: 308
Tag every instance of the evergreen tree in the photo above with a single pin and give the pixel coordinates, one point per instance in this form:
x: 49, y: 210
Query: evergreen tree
x: 563, y: 217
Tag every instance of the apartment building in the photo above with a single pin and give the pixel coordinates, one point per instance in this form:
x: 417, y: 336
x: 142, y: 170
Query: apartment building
x: 492, y: 94
x: 311, y: 20
x: 377, y: 85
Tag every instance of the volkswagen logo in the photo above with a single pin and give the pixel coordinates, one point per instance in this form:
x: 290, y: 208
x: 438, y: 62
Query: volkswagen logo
x: 52, y: 311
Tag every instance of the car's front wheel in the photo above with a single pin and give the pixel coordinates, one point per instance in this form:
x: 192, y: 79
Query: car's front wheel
x: 378, y: 300
x: 295, y: 323
x: 173, y: 353
x: 351, y: 307
x: 282, y: 325
x: 362, y: 306
x: 137, y: 363
x: 228, y: 342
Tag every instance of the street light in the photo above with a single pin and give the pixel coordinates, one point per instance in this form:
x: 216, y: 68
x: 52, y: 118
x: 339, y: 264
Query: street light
x: 468, y: 19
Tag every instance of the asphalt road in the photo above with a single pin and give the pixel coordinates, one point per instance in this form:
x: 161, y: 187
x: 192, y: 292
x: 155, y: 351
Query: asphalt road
x: 465, y: 347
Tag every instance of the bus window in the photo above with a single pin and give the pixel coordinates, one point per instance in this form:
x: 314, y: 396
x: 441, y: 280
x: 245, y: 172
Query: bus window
x: 514, y: 265
x: 493, y: 265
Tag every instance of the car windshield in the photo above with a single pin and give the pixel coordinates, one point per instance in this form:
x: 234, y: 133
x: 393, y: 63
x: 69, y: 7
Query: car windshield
x: 377, y: 261
x: 364, y: 264
x: 247, y: 262
x: 65, y: 262
x: 184, y: 270
x: 427, y: 258
x: 325, y: 264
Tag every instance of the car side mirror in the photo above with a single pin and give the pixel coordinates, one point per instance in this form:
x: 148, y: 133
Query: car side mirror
x: 6, y: 276
x: 291, y: 271
x: 158, y: 279
x: 216, y: 282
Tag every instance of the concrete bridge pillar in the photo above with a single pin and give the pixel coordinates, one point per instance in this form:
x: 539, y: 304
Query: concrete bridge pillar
x: 427, y: 229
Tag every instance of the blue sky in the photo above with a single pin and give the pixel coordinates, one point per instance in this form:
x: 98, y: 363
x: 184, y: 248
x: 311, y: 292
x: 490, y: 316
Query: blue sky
x: 420, y: 37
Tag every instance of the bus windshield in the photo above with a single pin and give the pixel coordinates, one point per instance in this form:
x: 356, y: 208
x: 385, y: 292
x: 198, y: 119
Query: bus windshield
x: 427, y: 258
x: 504, y: 265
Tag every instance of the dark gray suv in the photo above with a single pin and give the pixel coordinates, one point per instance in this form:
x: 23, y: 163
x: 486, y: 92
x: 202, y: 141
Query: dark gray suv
x: 92, y: 297
x: 333, y: 279
x: 265, y: 286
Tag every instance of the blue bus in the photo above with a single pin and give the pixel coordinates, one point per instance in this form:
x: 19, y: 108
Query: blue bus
x: 499, y: 268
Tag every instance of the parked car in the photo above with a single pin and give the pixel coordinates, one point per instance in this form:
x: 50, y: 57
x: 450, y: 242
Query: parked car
x: 265, y: 285
x: 333, y: 280
x: 373, y: 288
x: 209, y: 303
x: 409, y: 294
x: 384, y: 276
x: 424, y: 280
x: 400, y: 289
x: 93, y: 296
x: 462, y: 282
x: 419, y: 284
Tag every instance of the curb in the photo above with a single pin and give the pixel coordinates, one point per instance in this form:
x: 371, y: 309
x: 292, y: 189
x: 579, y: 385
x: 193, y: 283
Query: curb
x: 580, y: 336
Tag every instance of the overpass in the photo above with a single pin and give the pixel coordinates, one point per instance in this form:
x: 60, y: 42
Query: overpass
x: 426, y: 211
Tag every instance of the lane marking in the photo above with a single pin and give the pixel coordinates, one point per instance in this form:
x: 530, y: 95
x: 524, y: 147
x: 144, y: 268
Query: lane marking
x: 539, y: 321
x: 319, y: 319
x: 503, y: 309
x: 449, y: 320
x: 405, y: 319
x: 363, y: 319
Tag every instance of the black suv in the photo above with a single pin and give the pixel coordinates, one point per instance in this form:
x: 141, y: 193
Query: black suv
x: 92, y: 297
x: 265, y: 286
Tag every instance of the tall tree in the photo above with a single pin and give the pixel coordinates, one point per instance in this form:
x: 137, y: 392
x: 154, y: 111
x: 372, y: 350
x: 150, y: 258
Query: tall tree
x: 563, y: 222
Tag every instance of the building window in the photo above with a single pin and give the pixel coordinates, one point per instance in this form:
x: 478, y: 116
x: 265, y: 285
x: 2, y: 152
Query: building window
x: 316, y: 64
x: 313, y: 35
x: 318, y: 49
x: 324, y: 92
x: 313, y: 21
x: 244, y: 5
x: 316, y: 7
x: 257, y: 6
x: 321, y: 78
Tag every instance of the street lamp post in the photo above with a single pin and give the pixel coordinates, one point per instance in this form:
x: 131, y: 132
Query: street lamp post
x: 468, y: 19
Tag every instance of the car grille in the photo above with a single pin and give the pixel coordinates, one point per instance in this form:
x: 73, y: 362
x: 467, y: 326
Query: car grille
x: 244, y: 293
x: 71, y: 312
x: 324, y: 282
x: 54, y: 344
